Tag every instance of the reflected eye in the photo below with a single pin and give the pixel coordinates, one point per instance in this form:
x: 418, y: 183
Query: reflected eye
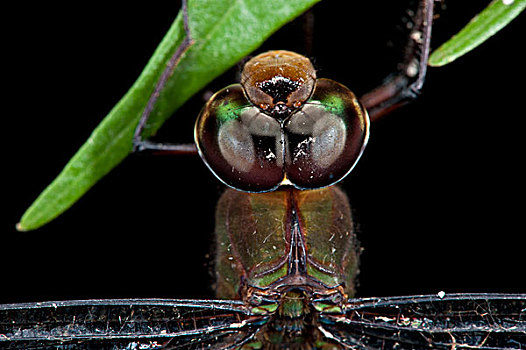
x: 315, y: 146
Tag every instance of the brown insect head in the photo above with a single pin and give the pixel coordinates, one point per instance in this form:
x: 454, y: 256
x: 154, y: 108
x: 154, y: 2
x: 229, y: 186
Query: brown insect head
x: 278, y: 82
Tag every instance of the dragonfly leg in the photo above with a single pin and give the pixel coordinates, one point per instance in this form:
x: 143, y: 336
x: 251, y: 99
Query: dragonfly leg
x: 139, y: 144
x: 308, y: 32
x: 405, y: 85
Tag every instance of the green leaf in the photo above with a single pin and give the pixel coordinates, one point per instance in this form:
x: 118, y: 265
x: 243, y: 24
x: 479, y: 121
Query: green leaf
x: 493, y: 18
x: 224, y: 31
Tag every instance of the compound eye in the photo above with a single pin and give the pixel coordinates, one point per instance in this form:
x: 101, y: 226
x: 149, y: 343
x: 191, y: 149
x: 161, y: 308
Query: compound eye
x: 326, y: 137
x: 316, y: 146
x: 240, y: 144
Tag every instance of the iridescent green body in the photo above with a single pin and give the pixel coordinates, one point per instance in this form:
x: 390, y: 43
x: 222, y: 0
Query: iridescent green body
x: 289, y: 254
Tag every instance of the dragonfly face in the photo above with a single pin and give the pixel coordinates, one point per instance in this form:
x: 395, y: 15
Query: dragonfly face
x: 281, y: 126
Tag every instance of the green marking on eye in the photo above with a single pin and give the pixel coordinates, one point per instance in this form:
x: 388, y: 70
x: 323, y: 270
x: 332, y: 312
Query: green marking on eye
x: 228, y: 110
x: 333, y: 104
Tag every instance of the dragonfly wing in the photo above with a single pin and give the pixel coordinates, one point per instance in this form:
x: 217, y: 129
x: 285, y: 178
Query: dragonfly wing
x: 456, y: 321
x: 127, y: 324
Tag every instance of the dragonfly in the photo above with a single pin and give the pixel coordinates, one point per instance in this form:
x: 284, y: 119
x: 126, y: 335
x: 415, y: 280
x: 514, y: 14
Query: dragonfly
x: 436, y: 321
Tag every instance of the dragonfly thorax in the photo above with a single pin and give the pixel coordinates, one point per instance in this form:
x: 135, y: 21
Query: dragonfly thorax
x: 294, y: 322
x: 290, y: 256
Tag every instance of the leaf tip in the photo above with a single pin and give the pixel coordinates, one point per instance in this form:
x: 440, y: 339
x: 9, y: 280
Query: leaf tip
x: 438, y: 61
x: 20, y: 227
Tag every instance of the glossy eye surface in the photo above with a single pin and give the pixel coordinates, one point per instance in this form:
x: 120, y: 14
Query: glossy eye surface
x: 314, y: 147
x: 281, y: 127
x: 325, y: 138
x: 241, y: 145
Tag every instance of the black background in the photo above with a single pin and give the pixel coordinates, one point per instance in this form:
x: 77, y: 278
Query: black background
x: 438, y: 196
